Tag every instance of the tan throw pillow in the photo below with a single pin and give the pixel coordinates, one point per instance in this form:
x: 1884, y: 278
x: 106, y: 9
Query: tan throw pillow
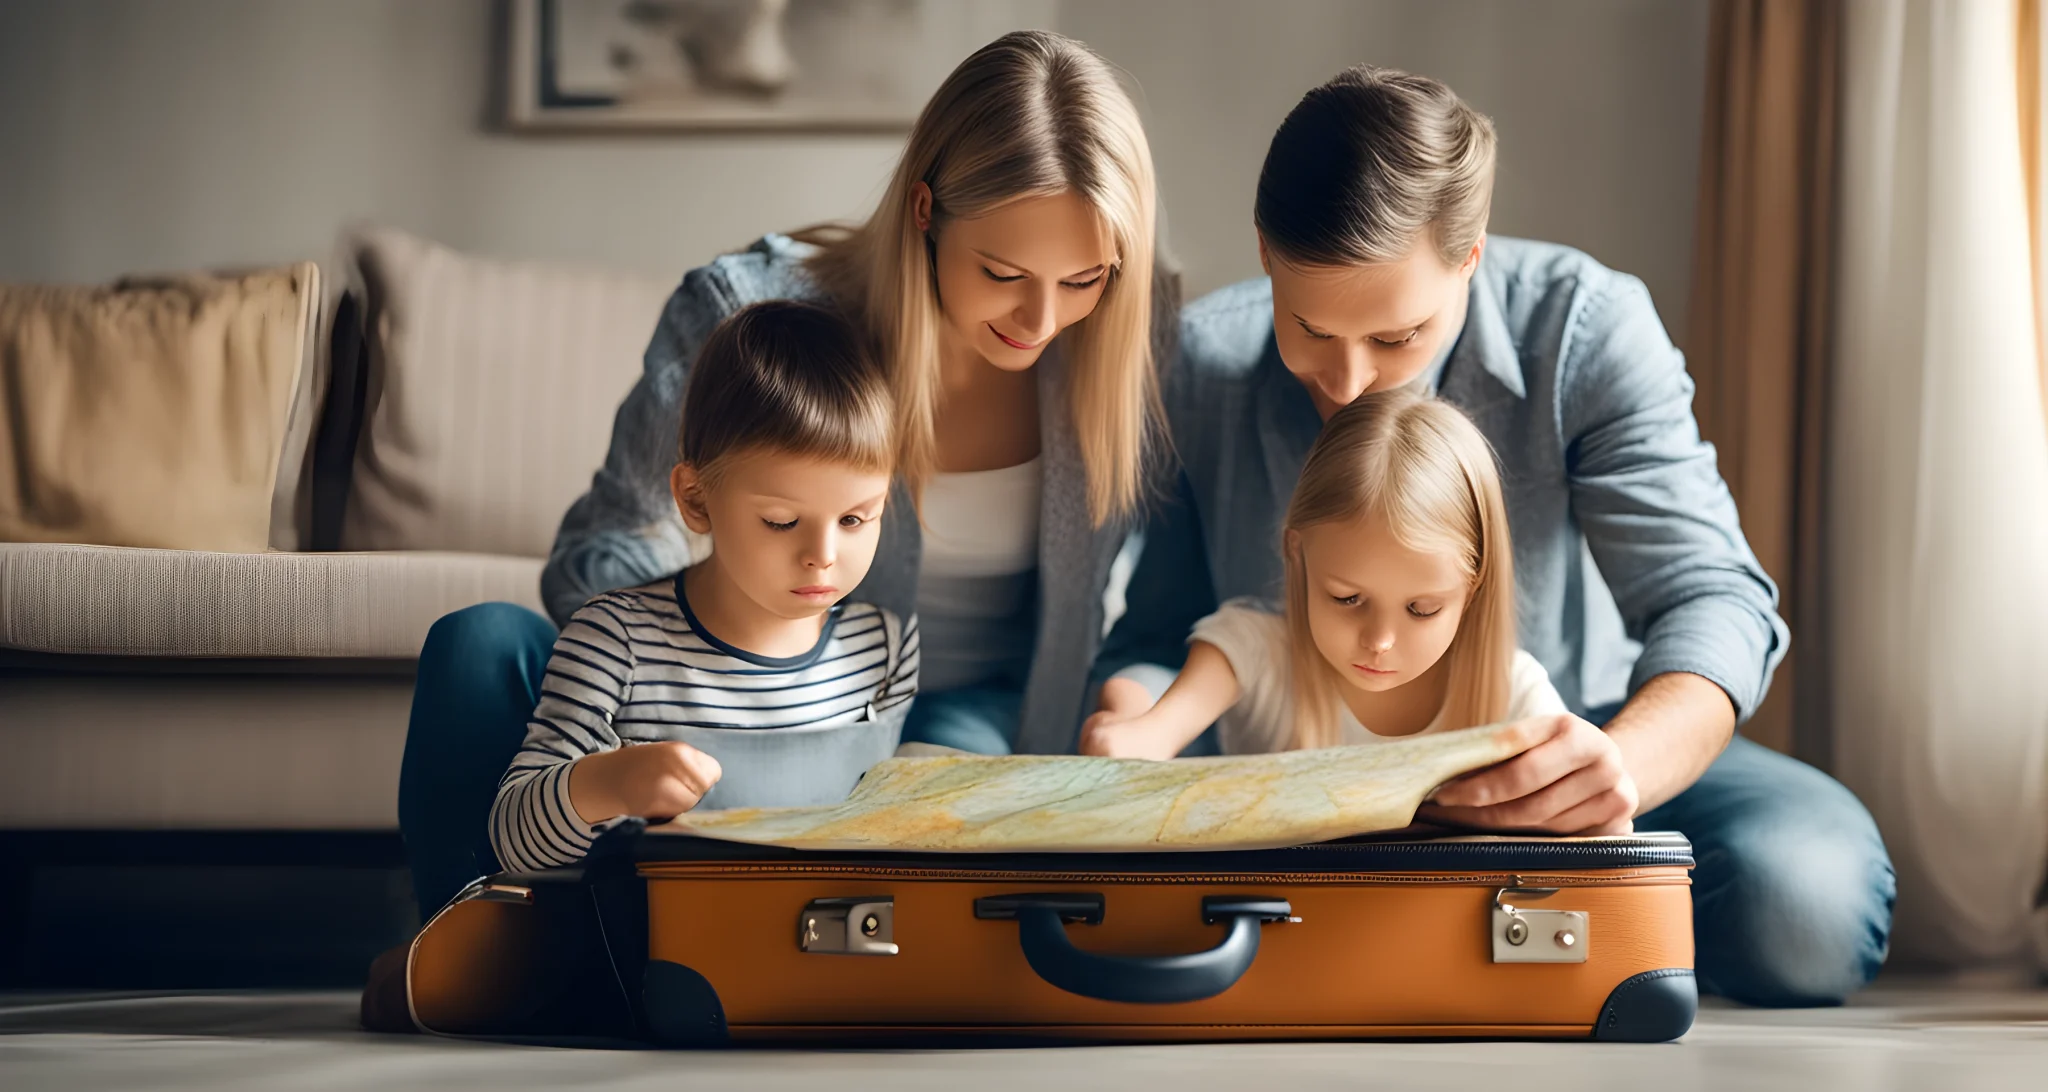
x: 491, y: 391
x: 152, y: 412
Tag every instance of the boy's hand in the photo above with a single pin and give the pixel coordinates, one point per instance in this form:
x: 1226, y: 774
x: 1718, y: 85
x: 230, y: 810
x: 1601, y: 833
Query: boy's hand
x: 656, y: 781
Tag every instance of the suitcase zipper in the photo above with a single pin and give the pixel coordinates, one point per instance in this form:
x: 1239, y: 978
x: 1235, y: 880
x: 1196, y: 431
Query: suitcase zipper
x: 1490, y: 854
x: 1641, y: 877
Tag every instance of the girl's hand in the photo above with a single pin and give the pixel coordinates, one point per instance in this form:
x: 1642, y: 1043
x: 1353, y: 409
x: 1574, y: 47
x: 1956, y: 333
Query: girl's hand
x: 1125, y: 696
x: 1110, y: 734
x: 656, y: 781
x: 1118, y: 729
x: 1570, y: 780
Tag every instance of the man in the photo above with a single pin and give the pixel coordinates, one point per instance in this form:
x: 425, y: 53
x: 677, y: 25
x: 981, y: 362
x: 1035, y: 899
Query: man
x: 1638, y: 592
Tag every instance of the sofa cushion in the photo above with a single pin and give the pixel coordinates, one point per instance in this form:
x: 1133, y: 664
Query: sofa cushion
x: 490, y: 394
x: 130, y: 602
x: 168, y: 412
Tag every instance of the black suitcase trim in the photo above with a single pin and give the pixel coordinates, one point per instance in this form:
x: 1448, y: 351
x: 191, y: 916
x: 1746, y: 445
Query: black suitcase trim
x: 1652, y: 1007
x: 680, y: 1007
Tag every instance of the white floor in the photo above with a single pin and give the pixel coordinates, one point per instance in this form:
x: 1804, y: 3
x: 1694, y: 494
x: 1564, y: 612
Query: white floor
x: 1897, y: 1036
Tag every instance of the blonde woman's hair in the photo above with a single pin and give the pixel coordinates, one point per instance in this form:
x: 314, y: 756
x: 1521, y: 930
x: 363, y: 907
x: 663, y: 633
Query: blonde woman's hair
x: 1368, y: 162
x: 1423, y: 467
x: 1031, y: 114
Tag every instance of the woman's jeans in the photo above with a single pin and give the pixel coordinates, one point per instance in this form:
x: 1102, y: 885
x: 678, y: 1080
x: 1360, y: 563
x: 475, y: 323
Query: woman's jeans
x: 1792, y: 897
x: 978, y: 719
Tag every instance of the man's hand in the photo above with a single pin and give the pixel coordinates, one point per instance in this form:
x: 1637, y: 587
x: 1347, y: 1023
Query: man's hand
x: 1570, y: 780
x: 656, y: 781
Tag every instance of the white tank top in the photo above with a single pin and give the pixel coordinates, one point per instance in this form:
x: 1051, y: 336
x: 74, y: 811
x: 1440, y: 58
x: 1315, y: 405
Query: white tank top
x: 977, y: 582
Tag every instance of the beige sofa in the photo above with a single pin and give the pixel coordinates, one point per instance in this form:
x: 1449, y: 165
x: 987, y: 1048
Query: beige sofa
x: 446, y: 412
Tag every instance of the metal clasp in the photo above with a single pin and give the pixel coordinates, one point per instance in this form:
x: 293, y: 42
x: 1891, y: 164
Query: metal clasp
x: 1522, y: 935
x: 487, y: 891
x: 864, y: 925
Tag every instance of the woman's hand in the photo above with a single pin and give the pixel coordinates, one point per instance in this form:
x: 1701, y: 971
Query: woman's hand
x: 656, y: 781
x: 1569, y: 780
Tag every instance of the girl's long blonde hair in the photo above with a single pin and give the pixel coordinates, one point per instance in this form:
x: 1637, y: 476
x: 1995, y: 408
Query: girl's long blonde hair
x: 1031, y: 114
x: 1423, y: 467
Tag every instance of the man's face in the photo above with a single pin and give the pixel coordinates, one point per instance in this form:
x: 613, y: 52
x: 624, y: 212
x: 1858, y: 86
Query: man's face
x: 1350, y: 330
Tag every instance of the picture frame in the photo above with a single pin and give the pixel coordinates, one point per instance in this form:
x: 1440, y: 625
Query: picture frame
x: 740, y: 65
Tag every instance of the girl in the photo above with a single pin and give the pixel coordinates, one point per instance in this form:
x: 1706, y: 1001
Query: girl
x: 1006, y: 285
x: 1400, y: 614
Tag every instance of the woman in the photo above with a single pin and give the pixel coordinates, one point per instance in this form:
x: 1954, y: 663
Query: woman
x: 1006, y: 280
x: 1636, y: 589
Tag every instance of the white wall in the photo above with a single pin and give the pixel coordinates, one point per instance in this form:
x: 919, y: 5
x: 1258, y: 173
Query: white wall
x: 162, y: 134
x: 1597, y: 104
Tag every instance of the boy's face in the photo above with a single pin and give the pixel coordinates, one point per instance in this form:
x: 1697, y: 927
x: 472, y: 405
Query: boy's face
x: 795, y: 535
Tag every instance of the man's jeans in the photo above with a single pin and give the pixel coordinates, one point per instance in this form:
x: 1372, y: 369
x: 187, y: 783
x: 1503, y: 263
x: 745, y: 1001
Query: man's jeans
x: 1792, y: 896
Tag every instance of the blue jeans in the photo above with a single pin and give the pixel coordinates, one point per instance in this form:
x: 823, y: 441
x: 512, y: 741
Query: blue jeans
x: 479, y: 680
x: 984, y: 720
x: 1792, y: 898
x: 981, y: 719
x: 1792, y: 895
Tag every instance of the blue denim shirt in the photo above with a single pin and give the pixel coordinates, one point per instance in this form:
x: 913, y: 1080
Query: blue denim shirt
x: 1629, y: 560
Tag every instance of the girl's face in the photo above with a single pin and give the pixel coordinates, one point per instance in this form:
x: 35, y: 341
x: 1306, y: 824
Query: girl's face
x: 793, y: 534
x: 1350, y: 330
x: 1382, y: 614
x: 1013, y: 279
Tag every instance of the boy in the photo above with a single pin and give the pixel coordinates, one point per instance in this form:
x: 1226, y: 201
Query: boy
x: 786, y: 454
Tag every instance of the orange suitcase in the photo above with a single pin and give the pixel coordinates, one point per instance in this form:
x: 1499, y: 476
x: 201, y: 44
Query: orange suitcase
x: 691, y: 942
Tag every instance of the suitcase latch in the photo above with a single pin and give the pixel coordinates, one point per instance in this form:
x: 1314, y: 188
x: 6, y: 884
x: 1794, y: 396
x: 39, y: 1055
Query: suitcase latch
x: 1524, y: 935
x: 856, y: 926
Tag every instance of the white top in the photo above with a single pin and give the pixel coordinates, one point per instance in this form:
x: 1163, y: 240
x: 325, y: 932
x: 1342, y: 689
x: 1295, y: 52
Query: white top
x: 977, y: 582
x: 982, y: 522
x: 1254, y: 639
x: 634, y: 665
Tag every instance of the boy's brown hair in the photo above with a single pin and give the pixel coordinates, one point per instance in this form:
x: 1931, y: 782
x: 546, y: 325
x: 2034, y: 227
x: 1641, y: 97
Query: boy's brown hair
x: 788, y: 377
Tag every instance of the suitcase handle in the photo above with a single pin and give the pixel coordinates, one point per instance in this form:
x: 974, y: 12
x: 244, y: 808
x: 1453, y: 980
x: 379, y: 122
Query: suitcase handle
x: 1042, y: 933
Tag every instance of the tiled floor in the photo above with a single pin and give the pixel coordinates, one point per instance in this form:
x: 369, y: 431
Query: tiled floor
x: 1899, y: 1036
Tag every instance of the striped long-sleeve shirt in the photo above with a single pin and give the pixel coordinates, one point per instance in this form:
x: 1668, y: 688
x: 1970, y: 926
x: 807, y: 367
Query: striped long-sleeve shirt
x: 633, y: 665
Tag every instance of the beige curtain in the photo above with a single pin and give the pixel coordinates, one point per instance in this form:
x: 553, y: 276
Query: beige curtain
x: 1937, y: 500
x: 1757, y: 331
x: 2033, y: 111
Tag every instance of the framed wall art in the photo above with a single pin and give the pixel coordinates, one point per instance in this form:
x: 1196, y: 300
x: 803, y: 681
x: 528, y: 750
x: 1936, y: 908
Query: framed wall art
x: 680, y: 65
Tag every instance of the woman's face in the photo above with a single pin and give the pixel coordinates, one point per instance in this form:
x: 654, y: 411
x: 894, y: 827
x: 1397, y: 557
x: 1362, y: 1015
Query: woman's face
x: 1346, y: 331
x: 1012, y: 279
